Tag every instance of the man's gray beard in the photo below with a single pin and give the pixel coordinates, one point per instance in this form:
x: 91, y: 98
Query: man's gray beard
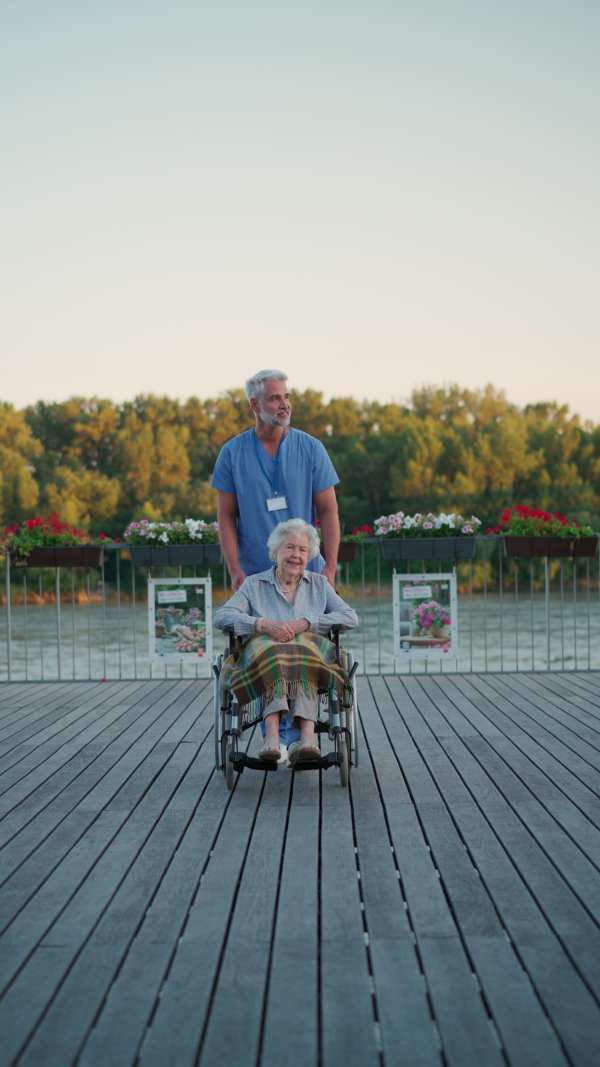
x: 272, y: 420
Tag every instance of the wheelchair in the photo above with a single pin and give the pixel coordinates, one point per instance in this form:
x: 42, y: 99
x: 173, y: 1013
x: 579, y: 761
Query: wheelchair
x: 338, y: 719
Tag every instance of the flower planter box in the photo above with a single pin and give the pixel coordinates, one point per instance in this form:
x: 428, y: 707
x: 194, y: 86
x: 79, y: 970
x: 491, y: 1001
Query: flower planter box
x: 175, y: 555
x: 63, y: 556
x: 347, y: 551
x: 565, y: 547
x: 427, y: 548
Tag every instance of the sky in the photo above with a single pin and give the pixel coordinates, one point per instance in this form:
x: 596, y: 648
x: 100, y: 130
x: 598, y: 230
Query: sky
x: 370, y: 197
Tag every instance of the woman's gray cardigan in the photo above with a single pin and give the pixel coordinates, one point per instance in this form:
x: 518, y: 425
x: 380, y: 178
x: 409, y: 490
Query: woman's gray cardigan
x: 259, y: 597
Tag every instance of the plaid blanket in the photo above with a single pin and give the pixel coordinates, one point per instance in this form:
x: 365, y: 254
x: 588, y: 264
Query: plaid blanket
x: 269, y: 668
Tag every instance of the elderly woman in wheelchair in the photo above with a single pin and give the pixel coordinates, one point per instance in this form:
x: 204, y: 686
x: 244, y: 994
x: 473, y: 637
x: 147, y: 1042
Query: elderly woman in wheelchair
x: 282, y: 617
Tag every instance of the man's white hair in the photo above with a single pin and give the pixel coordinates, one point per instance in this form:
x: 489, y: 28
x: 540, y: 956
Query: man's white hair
x: 298, y: 526
x: 255, y: 386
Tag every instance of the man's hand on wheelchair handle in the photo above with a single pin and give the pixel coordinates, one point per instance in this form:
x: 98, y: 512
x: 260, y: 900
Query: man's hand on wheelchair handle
x: 329, y: 573
x: 237, y: 579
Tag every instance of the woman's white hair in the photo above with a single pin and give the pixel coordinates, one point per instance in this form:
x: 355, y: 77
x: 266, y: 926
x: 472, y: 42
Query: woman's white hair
x: 255, y: 386
x: 298, y: 526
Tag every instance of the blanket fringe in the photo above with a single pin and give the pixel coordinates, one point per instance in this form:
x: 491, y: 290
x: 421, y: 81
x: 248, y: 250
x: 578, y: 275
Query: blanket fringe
x: 289, y: 690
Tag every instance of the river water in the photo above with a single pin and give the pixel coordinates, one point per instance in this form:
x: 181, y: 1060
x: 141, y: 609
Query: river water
x: 494, y: 634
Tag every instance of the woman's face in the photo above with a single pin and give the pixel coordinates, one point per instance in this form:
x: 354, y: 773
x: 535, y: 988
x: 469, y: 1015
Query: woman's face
x: 292, y: 555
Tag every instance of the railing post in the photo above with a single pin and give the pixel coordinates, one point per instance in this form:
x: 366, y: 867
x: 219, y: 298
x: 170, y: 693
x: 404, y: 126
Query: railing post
x: 73, y: 626
x: 547, y: 589
x: 41, y: 596
x: 378, y: 606
x: 8, y: 624
x: 470, y: 614
x: 588, y: 581
x: 364, y: 610
x: 89, y: 620
x: 103, y: 621
x: 57, y: 595
x: 517, y: 611
x: 501, y: 605
x: 26, y: 627
x: 133, y: 608
x: 575, y: 609
x: 531, y: 614
x: 485, y: 604
x: 118, y: 555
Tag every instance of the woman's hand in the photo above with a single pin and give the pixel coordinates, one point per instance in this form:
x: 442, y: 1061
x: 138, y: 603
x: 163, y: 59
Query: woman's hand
x: 280, y: 631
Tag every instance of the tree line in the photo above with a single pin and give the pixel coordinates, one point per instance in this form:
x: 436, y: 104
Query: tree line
x: 101, y: 465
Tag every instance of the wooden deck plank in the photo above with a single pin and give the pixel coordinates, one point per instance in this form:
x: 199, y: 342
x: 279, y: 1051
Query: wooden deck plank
x: 347, y: 1004
x: 39, y: 859
x: 48, y: 756
x: 243, y: 971
x: 14, y: 695
x: 558, y: 693
x: 520, y: 1021
x: 42, y: 708
x: 552, y: 729
x: 101, y: 747
x: 519, y: 879
x: 38, y: 817
x: 153, y: 917
x: 65, y: 876
x: 556, y: 761
x: 115, y: 943
x: 587, y: 682
x: 294, y: 970
x: 53, y: 720
x: 408, y: 1033
x: 576, y: 685
x: 79, y: 915
x: 561, y: 829
x: 176, y: 1029
x: 24, y: 696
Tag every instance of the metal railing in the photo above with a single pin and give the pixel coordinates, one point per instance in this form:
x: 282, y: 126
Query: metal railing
x: 539, y: 614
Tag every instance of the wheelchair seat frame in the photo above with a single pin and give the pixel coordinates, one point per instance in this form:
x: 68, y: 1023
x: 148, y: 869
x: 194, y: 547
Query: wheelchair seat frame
x: 341, y: 724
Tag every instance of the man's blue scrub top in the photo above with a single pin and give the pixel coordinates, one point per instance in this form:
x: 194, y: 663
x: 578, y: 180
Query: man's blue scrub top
x: 304, y: 469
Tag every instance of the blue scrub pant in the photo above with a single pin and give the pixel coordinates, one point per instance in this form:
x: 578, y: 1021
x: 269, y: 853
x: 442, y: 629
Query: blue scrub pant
x: 287, y: 733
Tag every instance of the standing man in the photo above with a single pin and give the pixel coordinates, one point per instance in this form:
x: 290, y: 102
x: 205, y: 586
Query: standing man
x: 269, y: 474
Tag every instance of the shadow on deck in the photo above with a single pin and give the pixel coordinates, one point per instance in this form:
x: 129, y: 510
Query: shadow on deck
x: 443, y: 910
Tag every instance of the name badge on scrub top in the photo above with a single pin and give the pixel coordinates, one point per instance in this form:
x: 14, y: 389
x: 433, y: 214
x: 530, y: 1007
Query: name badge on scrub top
x: 276, y: 503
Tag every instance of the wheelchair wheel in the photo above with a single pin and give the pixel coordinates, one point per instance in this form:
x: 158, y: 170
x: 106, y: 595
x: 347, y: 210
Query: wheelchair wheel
x: 352, y: 716
x: 218, y: 717
x: 345, y: 765
x: 228, y: 767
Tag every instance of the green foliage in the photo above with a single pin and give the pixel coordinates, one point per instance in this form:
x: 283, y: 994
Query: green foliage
x: 449, y: 449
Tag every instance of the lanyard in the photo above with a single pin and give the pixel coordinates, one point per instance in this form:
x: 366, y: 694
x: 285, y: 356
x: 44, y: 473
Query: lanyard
x: 275, y: 482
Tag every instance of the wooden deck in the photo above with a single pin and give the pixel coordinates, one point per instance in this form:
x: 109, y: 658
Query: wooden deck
x: 442, y: 912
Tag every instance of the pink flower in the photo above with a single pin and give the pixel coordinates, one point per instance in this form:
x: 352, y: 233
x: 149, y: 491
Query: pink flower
x: 428, y: 526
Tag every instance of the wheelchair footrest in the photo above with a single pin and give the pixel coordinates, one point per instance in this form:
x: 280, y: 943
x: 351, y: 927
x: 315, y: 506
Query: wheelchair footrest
x: 332, y: 759
x: 241, y: 760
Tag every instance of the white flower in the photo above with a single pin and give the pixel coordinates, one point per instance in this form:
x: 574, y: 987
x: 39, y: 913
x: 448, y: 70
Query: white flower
x: 164, y: 536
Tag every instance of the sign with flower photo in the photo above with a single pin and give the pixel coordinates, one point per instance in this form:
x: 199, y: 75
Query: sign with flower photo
x: 425, y: 617
x: 180, y: 621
